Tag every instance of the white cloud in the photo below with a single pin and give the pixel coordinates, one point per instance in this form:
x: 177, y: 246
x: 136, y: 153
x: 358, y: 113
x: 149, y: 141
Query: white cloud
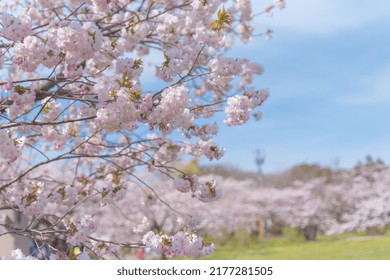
x: 326, y: 17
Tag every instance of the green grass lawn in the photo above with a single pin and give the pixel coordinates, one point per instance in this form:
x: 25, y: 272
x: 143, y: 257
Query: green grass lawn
x: 345, y: 247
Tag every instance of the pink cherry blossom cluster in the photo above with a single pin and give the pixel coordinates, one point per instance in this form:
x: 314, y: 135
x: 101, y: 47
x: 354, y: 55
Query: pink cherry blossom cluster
x: 14, y: 28
x: 32, y: 202
x: 171, y: 111
x: 204, y: 132
x: 10, y: 148
x: 21, y: 103
x: 180, y: 244
x: 205, y: 192
x: 80, y: 229
x: 240, y: 108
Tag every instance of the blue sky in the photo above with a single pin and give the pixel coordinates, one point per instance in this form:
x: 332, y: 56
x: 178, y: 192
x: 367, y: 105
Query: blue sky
x: 328, y: 69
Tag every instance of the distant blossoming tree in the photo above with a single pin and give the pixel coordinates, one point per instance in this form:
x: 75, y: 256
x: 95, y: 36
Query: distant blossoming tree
x: 81, y: 115
x: 347, y: 201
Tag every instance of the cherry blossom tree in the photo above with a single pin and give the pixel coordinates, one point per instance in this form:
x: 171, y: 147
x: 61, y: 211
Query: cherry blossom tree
x: 95, y: 92
x: 365, y: 200
x: 344, y: 201
x: 304, y: 205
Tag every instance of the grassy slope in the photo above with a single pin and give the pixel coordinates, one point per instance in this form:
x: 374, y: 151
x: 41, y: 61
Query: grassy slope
x: 326, y: 248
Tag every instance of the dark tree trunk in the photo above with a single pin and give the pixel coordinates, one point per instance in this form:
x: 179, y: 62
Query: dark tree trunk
x: 310, y: 232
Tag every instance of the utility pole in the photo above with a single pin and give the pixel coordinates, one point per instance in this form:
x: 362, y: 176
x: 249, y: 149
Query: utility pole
x: 259, y: 160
